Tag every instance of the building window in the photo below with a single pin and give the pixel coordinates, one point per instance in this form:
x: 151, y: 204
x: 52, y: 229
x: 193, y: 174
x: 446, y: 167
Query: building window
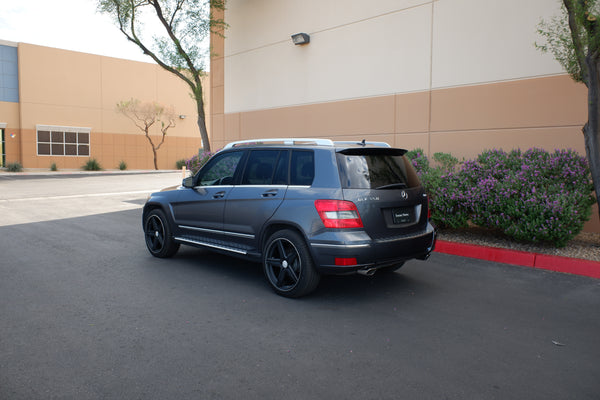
x: 63, y: 141
x: 9, y: 73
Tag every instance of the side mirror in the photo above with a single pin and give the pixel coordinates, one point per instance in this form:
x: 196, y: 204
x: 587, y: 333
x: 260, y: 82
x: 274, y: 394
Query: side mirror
x: 188, y: 182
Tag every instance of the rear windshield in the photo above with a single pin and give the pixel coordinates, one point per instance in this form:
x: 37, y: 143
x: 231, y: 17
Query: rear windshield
x: 376, y: 169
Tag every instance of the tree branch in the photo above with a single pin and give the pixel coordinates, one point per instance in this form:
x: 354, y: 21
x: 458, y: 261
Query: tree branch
x: 134, y: 38
x: 575, y: 36
x: 172, y: 36
x: 177, y: 9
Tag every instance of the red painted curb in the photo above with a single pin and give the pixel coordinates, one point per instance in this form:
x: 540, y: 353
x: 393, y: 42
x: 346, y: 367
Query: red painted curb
x: 522, y: 258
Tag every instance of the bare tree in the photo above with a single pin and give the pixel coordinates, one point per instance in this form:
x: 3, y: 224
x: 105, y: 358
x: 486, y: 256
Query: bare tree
x: 145, y: 116
x: 179, y: 49
x: 574, y: 40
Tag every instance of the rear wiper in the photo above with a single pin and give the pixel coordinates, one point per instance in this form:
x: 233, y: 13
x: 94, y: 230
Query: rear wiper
x: 392, y: 186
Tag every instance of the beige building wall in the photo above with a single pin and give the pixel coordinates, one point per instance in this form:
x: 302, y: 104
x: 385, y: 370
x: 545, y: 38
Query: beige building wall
x: 71, y: 89
x: 9, y: 121
x: 457, y: 76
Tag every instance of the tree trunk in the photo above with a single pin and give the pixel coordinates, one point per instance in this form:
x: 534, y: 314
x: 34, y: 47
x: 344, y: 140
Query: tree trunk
x: 153, y: 149
x: 202, y: 121
x: 591, y: 130
x: 155, y: 161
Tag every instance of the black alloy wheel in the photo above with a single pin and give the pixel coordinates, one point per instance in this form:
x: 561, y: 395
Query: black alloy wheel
x: 288, y: 265
x: 159, y: 240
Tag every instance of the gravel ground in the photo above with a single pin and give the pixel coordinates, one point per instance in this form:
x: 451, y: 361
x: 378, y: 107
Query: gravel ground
x: 586, y: 245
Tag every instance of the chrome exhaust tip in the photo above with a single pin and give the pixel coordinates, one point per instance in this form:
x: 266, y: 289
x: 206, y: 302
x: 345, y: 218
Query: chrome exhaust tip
x: 367, y: 271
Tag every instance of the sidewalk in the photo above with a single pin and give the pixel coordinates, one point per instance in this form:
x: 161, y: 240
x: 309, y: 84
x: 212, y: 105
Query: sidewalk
x: 521, y: 258
x: 46, y: 172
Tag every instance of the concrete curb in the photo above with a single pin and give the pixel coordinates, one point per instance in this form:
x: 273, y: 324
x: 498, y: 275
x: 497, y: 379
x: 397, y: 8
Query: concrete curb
x: 66, y: 172
x: 534, y: 260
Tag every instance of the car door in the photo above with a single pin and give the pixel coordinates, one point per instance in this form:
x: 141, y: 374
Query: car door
x: 199, y: 210
x: 260, y: 192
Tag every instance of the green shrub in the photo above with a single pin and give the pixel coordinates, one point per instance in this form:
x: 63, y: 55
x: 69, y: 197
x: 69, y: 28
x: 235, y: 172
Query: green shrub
x: 122, y: 165
x: 53, y: 167
x: 444, y: 186
x: 180, y: 163
x: 14, y: 167
x: 92, y: 165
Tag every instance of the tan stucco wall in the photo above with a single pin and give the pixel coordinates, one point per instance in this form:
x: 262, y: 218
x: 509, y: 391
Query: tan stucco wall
x: 9, y: 115
x: 545, y: 112
x: 65, y: 88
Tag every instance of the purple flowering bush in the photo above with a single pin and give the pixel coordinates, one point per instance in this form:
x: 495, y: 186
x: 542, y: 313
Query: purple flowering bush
x: 533, y: 196
x: 442, y: 181
x: 197, y: 161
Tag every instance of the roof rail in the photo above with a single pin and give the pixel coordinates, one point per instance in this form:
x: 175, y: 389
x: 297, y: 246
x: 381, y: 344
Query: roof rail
x: 286, y: 141
x: 362, y: 143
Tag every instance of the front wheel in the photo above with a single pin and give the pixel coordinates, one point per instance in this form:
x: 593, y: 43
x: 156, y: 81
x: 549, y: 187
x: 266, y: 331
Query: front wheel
x: 157, y: 231
x: 288, y: 265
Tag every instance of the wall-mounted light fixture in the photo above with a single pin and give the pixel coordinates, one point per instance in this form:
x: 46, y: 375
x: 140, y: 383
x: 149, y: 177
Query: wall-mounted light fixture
x: 182, y: 116
x: 300, y: 38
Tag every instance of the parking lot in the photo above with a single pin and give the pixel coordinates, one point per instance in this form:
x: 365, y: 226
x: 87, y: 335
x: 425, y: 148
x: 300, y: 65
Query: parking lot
x: 87, y: 313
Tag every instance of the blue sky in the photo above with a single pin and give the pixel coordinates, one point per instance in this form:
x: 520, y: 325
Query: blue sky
x: 65, y: 24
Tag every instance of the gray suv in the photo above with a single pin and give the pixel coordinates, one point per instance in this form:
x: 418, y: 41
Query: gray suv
x: 302, y: 207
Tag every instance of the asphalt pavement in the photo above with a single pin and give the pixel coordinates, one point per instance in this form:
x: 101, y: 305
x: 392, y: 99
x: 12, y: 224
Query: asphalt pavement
x: 87, y: 313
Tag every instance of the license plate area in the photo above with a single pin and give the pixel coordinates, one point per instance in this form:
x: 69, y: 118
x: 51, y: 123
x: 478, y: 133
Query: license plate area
x: 403, y: 215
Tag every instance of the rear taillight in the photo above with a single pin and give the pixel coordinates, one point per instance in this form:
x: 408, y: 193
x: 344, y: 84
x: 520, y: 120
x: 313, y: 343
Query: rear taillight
x: 346, y: 261
x: 338, y: 214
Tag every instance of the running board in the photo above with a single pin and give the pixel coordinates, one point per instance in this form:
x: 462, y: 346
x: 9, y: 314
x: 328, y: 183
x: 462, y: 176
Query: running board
x: 211, y: 245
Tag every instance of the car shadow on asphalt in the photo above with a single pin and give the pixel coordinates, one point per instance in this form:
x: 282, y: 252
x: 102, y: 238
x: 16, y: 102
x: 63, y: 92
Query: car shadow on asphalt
x: 331, y: 287
x: 119, y: 241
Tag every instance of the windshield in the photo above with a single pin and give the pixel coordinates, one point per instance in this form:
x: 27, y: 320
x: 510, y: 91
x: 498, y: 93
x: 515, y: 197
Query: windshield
x: 376, y: 170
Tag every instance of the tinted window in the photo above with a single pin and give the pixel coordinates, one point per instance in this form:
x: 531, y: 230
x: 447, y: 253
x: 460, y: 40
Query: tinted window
x: 260, y: 167
x: 302, y: 168
x: 220, y: 170
x: 376, y: 171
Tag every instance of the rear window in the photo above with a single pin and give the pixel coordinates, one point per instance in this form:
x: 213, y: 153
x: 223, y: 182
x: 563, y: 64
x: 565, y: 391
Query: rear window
x: 376, y: 169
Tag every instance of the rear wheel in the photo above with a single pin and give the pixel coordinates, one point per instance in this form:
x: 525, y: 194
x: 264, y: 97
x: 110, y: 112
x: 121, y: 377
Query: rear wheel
x: 288, y: 265
x: 159, y: 239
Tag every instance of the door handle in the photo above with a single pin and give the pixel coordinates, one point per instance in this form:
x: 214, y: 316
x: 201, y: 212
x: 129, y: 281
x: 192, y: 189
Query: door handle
x: 270, y: 193
x: 219, y: 195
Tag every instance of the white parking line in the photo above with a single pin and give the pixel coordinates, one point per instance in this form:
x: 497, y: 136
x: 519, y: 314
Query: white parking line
x: 75, y: 196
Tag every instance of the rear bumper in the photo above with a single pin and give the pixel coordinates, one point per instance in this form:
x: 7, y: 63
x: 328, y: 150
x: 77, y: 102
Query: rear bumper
x: 371, y: 253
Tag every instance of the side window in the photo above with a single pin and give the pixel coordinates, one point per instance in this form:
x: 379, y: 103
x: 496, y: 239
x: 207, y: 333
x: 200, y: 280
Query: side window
x: 260, y: 167
x: 220, y: 170
x: 302, y: 168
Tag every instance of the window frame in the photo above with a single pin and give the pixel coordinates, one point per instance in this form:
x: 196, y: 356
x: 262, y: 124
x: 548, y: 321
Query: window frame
x: 53, y: 142
x: 215, y: 160
x: 280, y: 154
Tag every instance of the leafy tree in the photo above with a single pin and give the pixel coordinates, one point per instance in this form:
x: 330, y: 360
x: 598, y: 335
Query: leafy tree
x: 574, y: 40
x: 184, y: 23
x: 145, y: 115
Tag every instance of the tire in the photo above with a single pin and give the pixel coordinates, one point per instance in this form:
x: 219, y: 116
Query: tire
x: 390, y: 269
x: 288, y: 265
x: 157, y: 232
